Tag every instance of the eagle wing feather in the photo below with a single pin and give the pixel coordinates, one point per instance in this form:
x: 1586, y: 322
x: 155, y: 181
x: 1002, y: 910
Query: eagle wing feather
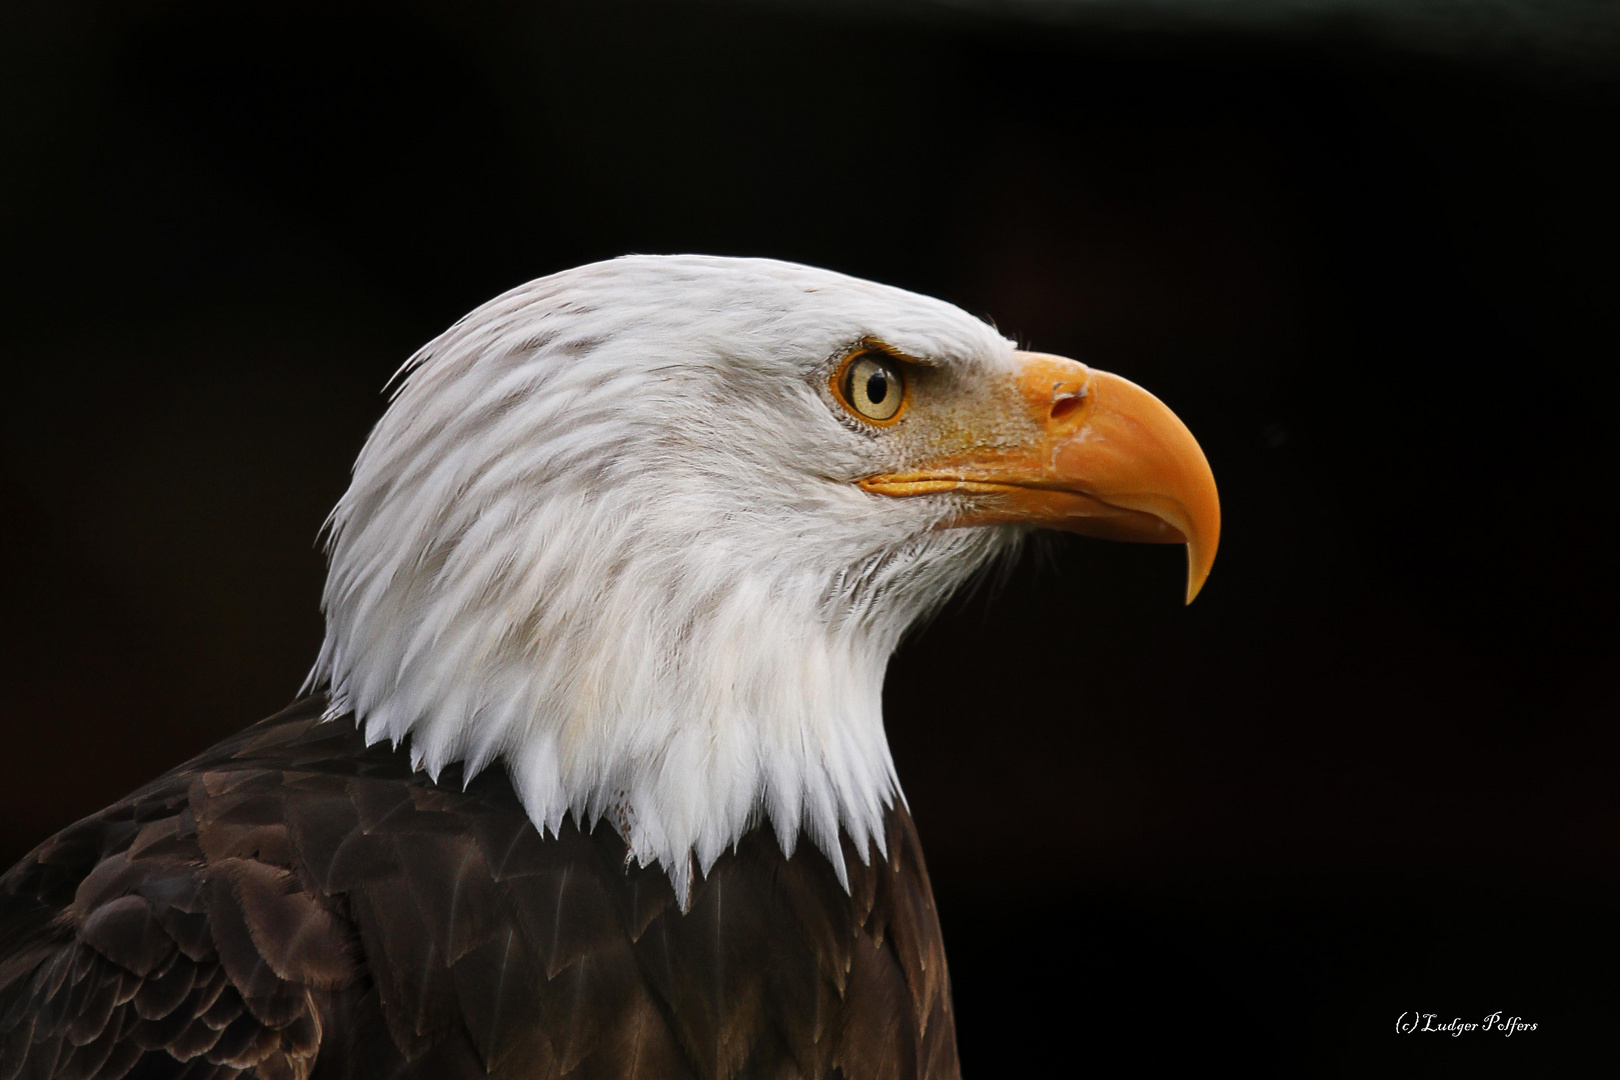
x: 294, y: 904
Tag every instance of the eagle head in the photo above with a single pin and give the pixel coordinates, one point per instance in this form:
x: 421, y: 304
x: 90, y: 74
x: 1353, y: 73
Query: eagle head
x: 647, y: 531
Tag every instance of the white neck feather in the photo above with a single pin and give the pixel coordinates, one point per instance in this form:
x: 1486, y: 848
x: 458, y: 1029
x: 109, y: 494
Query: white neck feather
x: 607, y: 533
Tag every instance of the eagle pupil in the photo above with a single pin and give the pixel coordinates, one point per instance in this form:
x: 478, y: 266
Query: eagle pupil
x: 877, y: 387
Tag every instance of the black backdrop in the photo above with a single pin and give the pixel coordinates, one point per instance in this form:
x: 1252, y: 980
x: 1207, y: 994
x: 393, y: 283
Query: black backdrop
x: 1371, y: 771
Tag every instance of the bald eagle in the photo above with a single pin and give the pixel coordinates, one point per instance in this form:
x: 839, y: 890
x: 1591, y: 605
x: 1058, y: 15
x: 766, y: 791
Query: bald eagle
x: 590, y: 777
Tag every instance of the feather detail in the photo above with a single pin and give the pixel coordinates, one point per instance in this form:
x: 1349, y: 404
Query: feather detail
x: 295, y: 896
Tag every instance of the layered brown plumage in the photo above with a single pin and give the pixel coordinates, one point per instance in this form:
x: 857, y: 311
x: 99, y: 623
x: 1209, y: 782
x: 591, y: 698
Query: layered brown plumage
x: 294, y: 904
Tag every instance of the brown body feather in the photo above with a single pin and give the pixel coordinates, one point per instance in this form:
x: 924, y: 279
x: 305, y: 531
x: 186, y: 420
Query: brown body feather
x: 293, y: 904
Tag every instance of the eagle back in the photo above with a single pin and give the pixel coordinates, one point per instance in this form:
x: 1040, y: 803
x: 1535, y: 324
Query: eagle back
x: 295, y: 904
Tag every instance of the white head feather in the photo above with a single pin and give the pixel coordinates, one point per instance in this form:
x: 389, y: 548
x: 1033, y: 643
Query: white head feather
x: 608, y: 533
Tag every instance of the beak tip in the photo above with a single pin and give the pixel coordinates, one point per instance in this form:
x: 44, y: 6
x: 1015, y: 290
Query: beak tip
x: 1199, y: 564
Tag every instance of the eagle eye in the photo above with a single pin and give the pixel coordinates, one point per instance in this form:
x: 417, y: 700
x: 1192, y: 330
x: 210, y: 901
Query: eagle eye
x: 873, y: 386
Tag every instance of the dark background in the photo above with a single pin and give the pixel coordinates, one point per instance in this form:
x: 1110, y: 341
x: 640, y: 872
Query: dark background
x: 1373, y: 769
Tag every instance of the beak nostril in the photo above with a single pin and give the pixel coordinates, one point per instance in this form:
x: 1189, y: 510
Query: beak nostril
x: 1065, y: 405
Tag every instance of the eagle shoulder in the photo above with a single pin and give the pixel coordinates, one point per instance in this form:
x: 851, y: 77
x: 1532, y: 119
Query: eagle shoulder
x: 124, y: 943
x: 295, y: 904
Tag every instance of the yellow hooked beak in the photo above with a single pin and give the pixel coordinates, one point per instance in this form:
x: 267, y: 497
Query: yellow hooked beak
x: 1104, y: 458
